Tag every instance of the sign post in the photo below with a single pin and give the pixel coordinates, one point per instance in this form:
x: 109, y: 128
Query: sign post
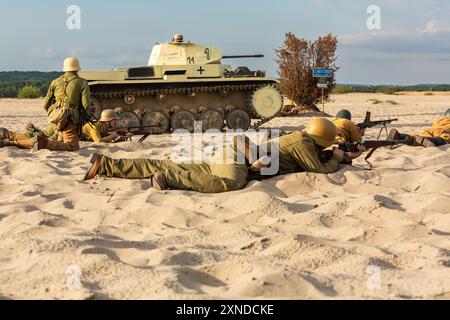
x: 323, y: 74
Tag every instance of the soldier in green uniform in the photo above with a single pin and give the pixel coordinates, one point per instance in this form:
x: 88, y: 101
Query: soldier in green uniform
x: 67, y: 97
x: 298, y: 151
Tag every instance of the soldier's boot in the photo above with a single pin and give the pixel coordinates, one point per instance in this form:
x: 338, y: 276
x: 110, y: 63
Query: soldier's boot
x: 423, y: 141
x: 39, y: 143
x: 96, y: 160
x: 4, y: 134
x: 394, y: 134
x: 158, y: 181
x: 61, y: 146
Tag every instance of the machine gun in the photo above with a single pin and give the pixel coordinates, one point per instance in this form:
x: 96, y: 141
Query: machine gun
x: 371, y: 145
x: 370, y: 124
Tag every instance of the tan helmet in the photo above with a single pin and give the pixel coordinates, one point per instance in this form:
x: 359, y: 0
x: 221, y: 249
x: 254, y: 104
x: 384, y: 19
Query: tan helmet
x: 322, y: 131
x: 71, y: 64
x: 108, y: 115
x: 177, y: 38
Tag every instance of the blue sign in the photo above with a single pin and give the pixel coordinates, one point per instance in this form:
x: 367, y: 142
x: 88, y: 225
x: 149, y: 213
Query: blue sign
x: 322, y: 73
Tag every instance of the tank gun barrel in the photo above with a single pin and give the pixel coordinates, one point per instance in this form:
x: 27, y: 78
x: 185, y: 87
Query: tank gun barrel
x: 240, y: 56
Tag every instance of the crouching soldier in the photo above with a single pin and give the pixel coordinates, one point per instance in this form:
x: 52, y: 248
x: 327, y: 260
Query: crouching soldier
x: 68, y: 98
x: 437, y: 135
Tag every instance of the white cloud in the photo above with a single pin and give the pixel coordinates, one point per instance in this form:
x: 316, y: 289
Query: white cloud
x: 434, y: 38
x: 437, y: 26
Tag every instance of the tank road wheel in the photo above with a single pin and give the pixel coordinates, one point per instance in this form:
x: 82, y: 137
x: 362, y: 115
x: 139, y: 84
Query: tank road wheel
x: 212, y: 119
x: 266, y: 101
x: 238, y: 119
x: 157, y: 121
x: 183, y: 120
x: 128, y: 119
x: 95, y: 110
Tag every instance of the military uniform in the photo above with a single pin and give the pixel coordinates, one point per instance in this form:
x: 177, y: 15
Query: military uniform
x: 346, y: 131
x: 73, y: 91
x: 24, y: 139
x: 440, y: 129
x: 206, y: 178
x: 91, y: 132
x: 95, y: 132
x: 298, y: 152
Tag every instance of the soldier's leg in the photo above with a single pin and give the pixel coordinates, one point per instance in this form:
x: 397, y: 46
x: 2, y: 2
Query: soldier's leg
x: 207, y: 178
x: 196, y: 177
x: 69, y: 140
x: 426, y: 142
x: 6, y: 134
x: 129, y: 168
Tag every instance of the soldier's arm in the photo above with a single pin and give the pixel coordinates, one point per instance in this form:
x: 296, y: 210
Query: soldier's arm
x: 109, y: 138
x: 49, y: 97
x: 307, y: 157
x: 92, y: 133
x: 355, y: 136
x: 86, y: 96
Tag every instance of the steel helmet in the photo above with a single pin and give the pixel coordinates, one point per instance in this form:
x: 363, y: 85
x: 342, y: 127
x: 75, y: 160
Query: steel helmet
x: 71, y: 64
x: 322, y: 131
x: 344, y: 114
x: 108, y: 115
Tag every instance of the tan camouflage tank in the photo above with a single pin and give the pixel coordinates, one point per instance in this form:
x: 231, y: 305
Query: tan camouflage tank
x: 184, y: 83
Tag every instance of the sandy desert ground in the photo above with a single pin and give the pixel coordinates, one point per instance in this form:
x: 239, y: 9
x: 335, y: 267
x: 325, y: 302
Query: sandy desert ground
x: 301, y: 236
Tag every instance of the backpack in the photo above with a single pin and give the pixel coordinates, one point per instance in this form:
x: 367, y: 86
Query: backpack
x: 60, y: 115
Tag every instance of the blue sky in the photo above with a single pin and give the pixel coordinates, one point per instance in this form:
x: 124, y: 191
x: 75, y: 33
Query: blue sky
x: 413, y: 45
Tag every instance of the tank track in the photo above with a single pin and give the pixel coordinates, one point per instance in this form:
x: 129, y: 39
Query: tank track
x: 185, y: 90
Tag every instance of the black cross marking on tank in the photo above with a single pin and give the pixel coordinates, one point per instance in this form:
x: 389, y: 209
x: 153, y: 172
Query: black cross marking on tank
x: 201, y: 70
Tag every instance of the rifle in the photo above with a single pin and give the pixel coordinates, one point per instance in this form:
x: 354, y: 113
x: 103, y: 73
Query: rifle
x: 136, y: 130
x: 370, y: 124
x: 371, y: 145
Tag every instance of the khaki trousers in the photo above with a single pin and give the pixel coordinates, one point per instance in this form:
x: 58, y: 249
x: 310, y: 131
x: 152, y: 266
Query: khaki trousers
x: 68, y: 140
x: 204, y: 178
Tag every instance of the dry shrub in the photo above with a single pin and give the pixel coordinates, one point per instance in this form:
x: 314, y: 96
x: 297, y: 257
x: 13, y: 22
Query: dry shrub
x: 297, y: 59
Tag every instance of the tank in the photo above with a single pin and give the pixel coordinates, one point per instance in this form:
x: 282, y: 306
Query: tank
x: 185, y: 85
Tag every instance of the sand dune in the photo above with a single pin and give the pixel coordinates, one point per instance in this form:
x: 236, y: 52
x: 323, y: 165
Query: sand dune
x: 299, y: 236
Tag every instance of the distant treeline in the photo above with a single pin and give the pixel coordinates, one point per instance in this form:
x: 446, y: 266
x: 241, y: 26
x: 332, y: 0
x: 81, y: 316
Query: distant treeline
x: 389, y: 89
x: 11, y: 82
